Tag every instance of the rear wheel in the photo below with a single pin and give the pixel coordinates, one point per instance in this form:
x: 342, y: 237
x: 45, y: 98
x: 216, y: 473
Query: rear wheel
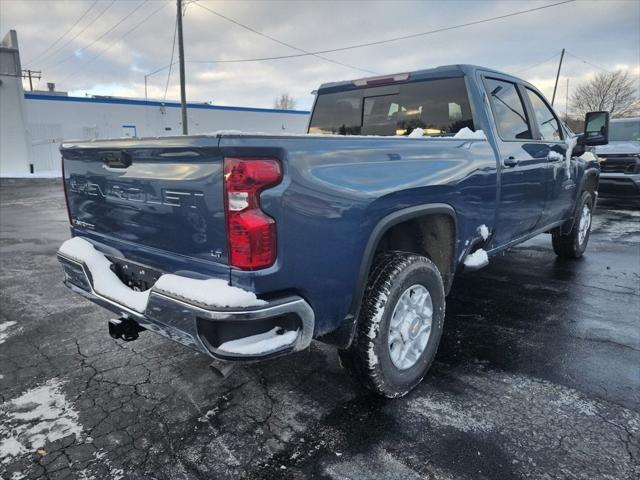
x: 574, y: 243
x: 399, y: 326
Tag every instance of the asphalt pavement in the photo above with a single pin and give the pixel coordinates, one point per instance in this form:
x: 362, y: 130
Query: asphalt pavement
x: 537, y: 376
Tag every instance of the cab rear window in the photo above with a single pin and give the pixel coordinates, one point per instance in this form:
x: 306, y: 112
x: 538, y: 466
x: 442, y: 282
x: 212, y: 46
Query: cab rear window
x: 439, y: 107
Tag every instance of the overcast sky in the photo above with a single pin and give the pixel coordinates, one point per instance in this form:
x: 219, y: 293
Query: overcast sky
x: 604, y: 33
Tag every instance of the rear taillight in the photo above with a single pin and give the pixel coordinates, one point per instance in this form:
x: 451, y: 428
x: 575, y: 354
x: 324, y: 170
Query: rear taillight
x: 251, y: 233
x: 66, y: 194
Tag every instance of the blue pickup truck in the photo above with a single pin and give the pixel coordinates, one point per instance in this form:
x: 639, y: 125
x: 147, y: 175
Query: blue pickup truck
x: 248, y: 246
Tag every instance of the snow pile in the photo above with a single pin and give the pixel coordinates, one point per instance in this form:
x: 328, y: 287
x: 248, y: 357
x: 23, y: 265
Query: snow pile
x: 4, y: 326
x: 213, y: 291
x: 477, y: 258
x: 210, y: 292
x: 38, y: 416
x: 260, y: 343
x: 553, y: 155
x: 105, y: 282
x: 483, y: 230
x: 467, y: 134
x: 417, y: 132
x: 588, y: 157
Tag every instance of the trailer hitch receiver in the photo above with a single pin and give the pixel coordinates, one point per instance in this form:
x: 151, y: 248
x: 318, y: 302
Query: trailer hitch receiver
x: 125, y: 329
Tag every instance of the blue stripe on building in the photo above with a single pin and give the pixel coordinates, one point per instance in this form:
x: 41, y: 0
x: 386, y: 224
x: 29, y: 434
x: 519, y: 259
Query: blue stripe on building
x: 154, y: 103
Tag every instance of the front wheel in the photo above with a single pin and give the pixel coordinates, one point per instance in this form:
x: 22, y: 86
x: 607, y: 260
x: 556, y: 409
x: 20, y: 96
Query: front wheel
x: 574, y: 243
x: 399, y: 326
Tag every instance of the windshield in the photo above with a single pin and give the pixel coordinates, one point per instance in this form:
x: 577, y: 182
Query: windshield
x: 625, y: 130
x: 439, y: 107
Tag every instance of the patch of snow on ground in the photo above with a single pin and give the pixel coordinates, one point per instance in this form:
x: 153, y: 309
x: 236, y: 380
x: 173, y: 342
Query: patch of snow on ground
x: 467, y: 134
x: 553, y: 155
x: 4, y: 326
x: 417, y: 132
x: 446, y: 414
x: 570, y: 398
x: 260, y: 343
x: 38, y: 416
x: 484, y: 231
x: 211, y: 292
x: 477, y: 258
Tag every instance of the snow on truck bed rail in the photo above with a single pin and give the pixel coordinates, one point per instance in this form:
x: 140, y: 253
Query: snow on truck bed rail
x: 463, y: 134
x: 211, y: 292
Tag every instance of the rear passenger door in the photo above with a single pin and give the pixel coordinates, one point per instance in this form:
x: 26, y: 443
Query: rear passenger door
x: 522, y: 163
x: 559, y: 182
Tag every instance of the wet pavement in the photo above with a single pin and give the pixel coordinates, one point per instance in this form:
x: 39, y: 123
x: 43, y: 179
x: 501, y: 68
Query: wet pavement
x: 537, y: 376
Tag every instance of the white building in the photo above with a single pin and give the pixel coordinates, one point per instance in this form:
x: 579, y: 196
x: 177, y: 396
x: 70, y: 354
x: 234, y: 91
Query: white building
x: 32, y: 125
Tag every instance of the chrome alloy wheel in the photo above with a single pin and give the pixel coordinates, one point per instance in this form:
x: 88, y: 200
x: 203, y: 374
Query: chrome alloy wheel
x: 410, y: 326
x: 585, y: 223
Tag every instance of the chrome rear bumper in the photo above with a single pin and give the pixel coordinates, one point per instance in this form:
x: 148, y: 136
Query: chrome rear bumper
x: 199, y: 327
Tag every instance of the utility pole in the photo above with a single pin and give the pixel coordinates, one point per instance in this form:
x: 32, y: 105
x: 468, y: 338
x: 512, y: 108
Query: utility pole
x: 30, y: 74
x: 183, y: 93
x: 557, y: 77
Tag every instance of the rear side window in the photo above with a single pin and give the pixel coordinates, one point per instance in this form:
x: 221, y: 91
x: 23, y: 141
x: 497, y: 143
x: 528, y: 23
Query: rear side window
x: 547, y: 122
x: 508, y: 110
x: 337, y: 113
x: 440, y: 107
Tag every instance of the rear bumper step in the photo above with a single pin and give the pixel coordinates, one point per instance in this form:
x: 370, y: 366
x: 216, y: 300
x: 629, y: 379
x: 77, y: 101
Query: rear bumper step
x: 278, y: 327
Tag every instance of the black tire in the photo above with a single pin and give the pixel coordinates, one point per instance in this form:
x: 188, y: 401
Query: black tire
x: 368, y: 359
x: 572, y: 244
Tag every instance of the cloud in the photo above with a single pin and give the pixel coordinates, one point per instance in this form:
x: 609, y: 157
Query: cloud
x: 603, y: 33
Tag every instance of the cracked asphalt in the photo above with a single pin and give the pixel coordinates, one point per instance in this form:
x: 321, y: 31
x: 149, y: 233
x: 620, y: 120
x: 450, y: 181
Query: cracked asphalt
x: 537, y: 376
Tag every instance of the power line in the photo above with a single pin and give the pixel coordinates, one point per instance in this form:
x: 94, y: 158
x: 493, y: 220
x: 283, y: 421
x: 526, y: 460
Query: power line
x: 59, y: 49
x: 537, y: 64
x: 588, y: 63
x: 246, y: 27
x: 64, y: 34
x: 173, y: 50
x: 122, y: 20
x: 388, y: 40
x: 379, y: 42
x: 115, y: 42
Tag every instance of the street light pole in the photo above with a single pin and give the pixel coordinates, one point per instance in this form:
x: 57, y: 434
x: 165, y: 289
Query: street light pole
x: 183, y: 93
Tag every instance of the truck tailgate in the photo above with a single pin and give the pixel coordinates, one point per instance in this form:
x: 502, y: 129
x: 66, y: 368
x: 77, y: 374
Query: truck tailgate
x: 161, y: 195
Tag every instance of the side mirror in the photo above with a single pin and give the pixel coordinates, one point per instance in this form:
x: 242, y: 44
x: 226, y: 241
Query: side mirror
x: 596, y: 129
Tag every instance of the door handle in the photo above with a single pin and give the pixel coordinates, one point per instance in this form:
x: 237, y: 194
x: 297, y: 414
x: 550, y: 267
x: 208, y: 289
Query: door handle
x: 510, y: 162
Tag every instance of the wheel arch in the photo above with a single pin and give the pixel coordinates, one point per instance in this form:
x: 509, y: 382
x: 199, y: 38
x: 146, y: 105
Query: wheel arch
x: 343, y: 336
x: 588, y: 183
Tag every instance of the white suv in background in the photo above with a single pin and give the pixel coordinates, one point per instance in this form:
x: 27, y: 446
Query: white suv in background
x: 620, y: 160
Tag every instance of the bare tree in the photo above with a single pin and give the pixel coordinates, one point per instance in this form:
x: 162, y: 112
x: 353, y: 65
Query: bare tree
x: 284, y: 102
x: 615, y: 92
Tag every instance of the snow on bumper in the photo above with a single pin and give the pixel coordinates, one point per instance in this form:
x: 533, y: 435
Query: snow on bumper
x: 207, y: 315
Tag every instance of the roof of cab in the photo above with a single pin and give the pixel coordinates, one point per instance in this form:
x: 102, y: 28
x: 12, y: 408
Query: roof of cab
x: 445, y: 71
